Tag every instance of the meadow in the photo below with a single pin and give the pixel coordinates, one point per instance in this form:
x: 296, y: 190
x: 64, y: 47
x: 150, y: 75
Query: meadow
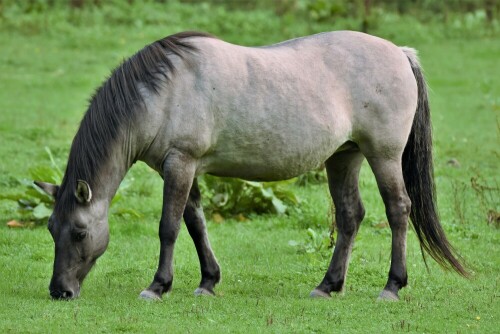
x: 50, y: 64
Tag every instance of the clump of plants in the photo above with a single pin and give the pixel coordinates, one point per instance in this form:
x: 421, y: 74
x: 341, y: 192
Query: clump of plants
x: 231, y: 197
x: 488, y: 199
x: 316, y: 176
x: 34, y: 206
x: 315, y: 242
x: 319, y: 240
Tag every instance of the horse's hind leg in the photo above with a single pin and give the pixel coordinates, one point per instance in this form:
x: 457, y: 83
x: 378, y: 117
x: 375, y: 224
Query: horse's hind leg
x: 343, y: 174
x: 388, y: 173
x: 195, y: 222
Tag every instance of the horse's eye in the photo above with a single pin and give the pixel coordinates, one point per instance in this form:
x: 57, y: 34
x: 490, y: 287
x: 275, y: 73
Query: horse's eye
x: 79, y: 236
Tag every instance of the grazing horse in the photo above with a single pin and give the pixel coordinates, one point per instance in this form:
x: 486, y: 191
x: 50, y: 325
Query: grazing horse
x: 191, y: 104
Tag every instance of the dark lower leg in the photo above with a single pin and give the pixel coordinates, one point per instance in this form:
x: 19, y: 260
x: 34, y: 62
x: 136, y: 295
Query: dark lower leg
x: 195, y: 222
x: 162, y: 281
x: 335, y: 276
x: 347, y: 225
x: 343, y: 171
x: 178, y: 177
x: 391, y: 184
x: 398, y: 277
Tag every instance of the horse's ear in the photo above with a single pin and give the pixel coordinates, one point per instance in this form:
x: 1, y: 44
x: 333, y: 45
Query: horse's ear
x: 48, y: 188
x: 83, y: 193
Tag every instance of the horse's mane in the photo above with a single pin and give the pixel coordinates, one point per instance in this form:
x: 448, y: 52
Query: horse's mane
x: 112, y: 108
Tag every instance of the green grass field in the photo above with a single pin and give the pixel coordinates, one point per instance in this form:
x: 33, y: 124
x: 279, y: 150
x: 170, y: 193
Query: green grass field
x: 49, y: 69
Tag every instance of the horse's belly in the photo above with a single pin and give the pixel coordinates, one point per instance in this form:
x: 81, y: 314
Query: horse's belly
x: 270, y: 156
x: 265, y: 168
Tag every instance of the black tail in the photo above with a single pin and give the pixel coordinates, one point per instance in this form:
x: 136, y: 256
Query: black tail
x: 418, y: 173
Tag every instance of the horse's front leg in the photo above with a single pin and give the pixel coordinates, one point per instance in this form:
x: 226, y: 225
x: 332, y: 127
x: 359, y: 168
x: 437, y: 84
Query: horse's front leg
x: 178, y: 175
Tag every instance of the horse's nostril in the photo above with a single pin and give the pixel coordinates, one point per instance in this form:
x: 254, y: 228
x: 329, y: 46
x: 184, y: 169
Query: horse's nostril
x: 56, y: 294
x: 67, y: 294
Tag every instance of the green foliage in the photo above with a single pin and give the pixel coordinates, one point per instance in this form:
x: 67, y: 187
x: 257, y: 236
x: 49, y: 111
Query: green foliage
x: 317, y: 176
x: 487, y: 192
x: 119, y: 206
x: 287, y: 18
x: 321, y: 10
x: 315, y: 242
x: 229, y: 197
x: 35, y: 206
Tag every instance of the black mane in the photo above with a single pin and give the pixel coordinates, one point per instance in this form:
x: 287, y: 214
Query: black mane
x: 112, y: 108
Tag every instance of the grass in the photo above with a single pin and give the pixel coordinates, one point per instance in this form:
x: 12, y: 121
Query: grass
x: 48, y: 72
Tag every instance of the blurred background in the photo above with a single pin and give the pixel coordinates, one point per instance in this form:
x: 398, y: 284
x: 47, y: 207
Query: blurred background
x: 259, y: 20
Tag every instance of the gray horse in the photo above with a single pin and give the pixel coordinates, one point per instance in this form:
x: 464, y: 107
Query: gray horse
x: 191, y: 104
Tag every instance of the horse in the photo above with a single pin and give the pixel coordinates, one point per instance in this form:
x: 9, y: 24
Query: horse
x: 191, y: 104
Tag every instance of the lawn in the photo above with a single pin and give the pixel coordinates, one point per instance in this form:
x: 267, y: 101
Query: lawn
x: 48, y: 70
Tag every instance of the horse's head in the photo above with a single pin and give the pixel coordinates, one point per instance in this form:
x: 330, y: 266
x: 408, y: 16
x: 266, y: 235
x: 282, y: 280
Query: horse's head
x: 80, y: 235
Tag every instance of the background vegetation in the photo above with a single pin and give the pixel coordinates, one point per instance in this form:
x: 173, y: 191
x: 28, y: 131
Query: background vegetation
x: 53, y: 55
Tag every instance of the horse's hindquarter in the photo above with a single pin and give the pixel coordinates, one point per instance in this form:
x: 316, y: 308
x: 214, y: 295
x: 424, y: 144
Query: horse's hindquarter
x: 276, y: 112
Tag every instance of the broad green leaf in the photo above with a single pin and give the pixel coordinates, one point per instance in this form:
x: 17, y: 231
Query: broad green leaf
x: 125, y: 211
x: 278, y: 205
x: 41, y: 211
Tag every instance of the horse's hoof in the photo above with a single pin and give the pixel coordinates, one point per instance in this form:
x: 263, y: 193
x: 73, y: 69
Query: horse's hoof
x: 149, y: 295
x: 316, y: 293
x: 203, y: 292
x: 386, y: 295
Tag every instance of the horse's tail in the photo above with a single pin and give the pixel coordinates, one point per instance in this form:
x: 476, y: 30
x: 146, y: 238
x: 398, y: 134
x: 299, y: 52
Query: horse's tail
x: 418, y: 173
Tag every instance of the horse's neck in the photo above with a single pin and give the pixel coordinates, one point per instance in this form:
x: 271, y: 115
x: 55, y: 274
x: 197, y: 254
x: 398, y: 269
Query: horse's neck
x: 113, y: 170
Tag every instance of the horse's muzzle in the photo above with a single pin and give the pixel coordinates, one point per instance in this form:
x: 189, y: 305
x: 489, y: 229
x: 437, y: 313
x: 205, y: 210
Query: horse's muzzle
x: 64, y: 294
